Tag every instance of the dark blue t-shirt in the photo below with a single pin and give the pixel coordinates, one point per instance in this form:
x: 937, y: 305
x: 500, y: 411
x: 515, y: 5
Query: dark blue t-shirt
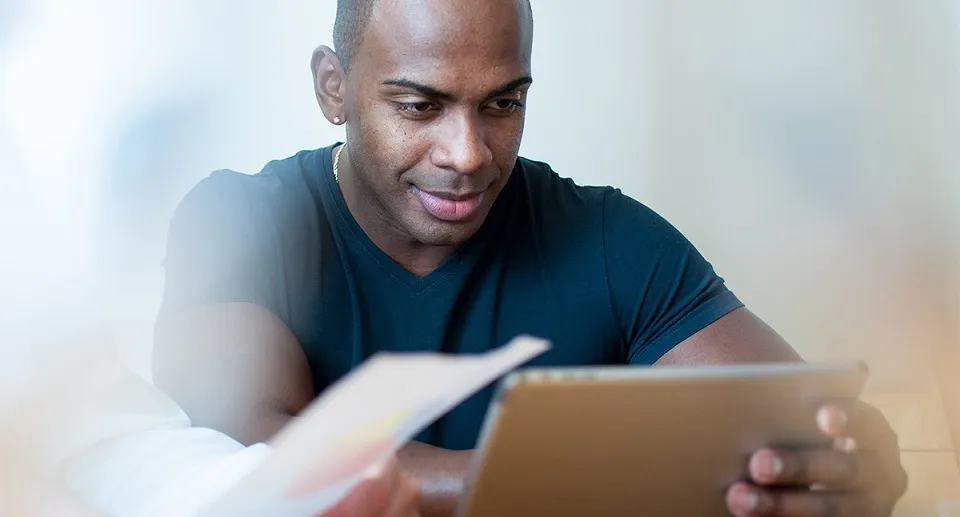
x: 601, y: 276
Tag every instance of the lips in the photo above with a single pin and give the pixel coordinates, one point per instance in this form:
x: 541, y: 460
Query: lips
x: 451, y: 207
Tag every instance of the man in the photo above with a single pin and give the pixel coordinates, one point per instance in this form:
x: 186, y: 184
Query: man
x: 424, y: 231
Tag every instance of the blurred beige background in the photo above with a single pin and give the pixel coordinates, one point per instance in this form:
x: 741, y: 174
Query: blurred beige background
x: 807, y: 148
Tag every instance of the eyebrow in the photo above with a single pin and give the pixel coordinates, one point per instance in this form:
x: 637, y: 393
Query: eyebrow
x: 436, y: 93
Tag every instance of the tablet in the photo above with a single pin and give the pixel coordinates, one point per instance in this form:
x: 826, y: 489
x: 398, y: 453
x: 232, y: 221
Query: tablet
x: 631, y: 441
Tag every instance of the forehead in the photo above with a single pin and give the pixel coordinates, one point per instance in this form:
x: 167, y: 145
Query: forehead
x: 486, y: 41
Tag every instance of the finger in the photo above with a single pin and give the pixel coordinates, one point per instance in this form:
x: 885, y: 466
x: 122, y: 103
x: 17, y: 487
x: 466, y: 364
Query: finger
x: 862, y: 422
x: 833, y: 420
x: 859, y: 426
x: 845, y: 444
x: 827, y: 467
x: 744, y: 500
x: 405, y: 499
x: 372, y: 496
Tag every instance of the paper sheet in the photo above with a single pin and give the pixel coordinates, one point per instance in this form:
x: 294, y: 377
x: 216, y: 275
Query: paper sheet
x: 359, y: 422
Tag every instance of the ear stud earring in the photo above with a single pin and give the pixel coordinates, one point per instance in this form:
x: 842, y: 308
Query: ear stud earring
x: 336, y: 120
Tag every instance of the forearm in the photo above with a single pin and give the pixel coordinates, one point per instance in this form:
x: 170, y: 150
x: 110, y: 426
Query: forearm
x: 441, y: 474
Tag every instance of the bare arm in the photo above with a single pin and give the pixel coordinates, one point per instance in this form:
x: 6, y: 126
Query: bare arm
x: 232, y: 367
x: 440, y: 474
x: 236, y: 368
x: 738, y: 337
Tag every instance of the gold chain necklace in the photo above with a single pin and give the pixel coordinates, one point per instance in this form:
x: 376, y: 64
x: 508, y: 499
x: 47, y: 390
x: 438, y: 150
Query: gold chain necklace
x: 336, y: 164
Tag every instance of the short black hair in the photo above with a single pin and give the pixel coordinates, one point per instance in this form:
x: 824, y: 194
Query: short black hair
x: 352, y: 19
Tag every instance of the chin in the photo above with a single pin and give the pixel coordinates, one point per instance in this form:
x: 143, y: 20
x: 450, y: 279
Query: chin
x: 445, y: 234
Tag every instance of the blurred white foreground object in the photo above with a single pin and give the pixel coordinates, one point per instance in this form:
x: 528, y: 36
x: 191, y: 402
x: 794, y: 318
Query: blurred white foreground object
x: 361, y: 421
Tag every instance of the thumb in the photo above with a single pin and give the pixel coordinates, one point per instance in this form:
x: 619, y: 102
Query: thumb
x: 372, y: 496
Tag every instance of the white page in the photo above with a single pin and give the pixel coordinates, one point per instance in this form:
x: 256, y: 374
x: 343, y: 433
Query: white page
x: 361, y: 421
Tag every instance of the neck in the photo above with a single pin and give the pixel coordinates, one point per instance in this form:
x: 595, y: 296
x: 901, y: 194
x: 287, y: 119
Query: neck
x: 417, y: 258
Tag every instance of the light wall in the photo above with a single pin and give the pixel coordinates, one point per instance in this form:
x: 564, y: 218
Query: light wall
x: 808, y: 148
x: 805, y: 147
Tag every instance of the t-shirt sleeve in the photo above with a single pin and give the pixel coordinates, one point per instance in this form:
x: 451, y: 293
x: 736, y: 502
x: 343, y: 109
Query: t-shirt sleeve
x: 662, y: 289
x: 219, y: 247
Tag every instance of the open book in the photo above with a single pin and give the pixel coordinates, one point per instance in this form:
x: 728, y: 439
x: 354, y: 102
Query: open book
x: 362, y: 420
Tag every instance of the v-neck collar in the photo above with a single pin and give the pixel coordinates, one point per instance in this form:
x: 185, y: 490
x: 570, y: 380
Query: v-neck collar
x: 468, y: 252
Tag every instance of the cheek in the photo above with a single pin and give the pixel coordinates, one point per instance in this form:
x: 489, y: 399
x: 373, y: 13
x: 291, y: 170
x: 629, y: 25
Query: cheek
x: 518, y: 130
x: 385, y: 163
x: 381, y: 145
x: 505, y: 143
x: 402, y: 145
x: 505, y: 132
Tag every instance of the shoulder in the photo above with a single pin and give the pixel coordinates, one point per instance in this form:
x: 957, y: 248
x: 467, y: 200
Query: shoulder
x: 234, y: 235
x: 629, y: 222
x: 558, y: 208
x: 602, y: 208
x: 549, y: 188
x: 659, y: 287
x: 276, y: 184
x: 283, y: 193
x: 603, y: 222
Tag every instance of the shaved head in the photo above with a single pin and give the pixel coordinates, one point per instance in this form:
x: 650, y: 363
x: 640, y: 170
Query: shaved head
x: 352, y: 18
x: 351, y: 22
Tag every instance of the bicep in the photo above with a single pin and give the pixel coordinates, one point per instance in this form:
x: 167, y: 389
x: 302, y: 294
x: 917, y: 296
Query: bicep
x: 738, y: 337
x: 232, y: 367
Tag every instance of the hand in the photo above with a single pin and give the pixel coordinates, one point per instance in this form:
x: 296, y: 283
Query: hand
x: 860, y: 476
x: 390, y: 492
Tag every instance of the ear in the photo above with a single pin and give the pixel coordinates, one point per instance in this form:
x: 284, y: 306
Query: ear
x: 328, y: 84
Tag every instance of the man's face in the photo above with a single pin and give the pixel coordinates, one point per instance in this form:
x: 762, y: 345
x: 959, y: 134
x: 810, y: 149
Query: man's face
x: 436, y: 94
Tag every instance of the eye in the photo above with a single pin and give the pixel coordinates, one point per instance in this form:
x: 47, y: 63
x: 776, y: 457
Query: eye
x: 505, y: 106
x: 416, y: 108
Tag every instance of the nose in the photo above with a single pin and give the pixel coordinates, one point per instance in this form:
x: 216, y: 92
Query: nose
x: 462, y: 147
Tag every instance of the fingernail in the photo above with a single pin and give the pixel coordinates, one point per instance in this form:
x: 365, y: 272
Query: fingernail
x: 776, y: 466
x: 767, y: 466
x: 823, y: 419
x: 749, y: 501
x: 743, y: 499
x: 832, y: 420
